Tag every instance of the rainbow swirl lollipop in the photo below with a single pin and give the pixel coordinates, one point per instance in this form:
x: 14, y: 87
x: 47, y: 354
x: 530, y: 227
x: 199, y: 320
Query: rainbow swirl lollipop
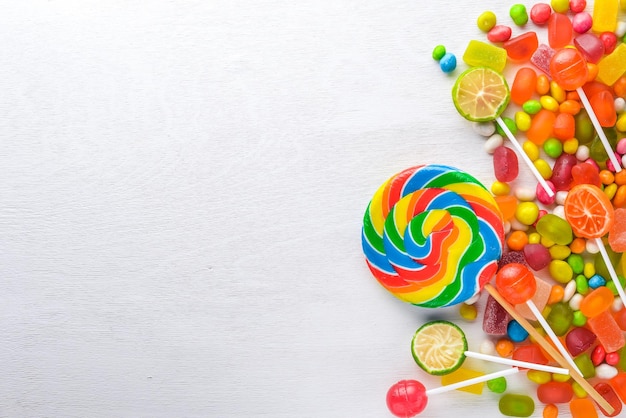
x: 432, y: 235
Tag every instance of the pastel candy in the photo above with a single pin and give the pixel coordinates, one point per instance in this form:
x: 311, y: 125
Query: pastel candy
x: 432, y: 235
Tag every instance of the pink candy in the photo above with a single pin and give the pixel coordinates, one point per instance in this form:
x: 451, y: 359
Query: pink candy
x: 540, y: 13
x: 542, y: 195
x: 499, y: 33
x: 581, y: 22
x: 621, y: 146
x: 577, y: 6
x: 505, y: 164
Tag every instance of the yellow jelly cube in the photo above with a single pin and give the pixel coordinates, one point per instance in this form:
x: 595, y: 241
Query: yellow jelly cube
x: 611, y: 67
x: 460, y: 375
x: 605, y: 15
x: 482, y: 54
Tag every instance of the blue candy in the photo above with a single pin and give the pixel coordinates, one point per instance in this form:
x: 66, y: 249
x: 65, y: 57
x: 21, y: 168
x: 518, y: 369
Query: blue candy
x: 596, y: 281
x: 448, y: 62
x: 516, y: 333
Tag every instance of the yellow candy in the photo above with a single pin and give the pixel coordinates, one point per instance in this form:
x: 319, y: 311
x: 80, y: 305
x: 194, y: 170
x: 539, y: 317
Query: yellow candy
x: 546, y: 242
x: 531, y: 149
x: 479, y: 54
x: 578, y: 390
x: 468, y: 312
x: 500, y: 188
x: 610, y: 190
x: 605, y: 16
x: 560, y: 252
x: 527, y: 212
x: 570, y: 146
x: 522, y: 121
x: 560, y: 271
x: 543, y: 167
x: 539, y: 377
x: 557, y: 377
x: 620, y: 125
x: 549, y: 103
x: 460, y: 375
x: 589, y: 270
x: 486, y: 21
x: 534, y: 238
x: 557, y: 92
x: 612, y: 66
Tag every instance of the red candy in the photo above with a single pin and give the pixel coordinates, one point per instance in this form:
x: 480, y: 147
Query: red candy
x: 531, y: 353
x: 540, y: 13
x: 516, y: 283
x: 604, y: 107
x: 577, y: 6
x: 495, y: 318
x: 407, y: 398
x: 607, y: 392
x: 579, y: 340
x: 585, y: 173
x: 555, y: 392
x: 597, y: 355
x: 523, y: 85
x: 611, y: 359
x: 590, y: 46
x: 537, y: 256
x: 505, y: 164
x: 499, y: 33
x: 559, y: 30
x: 609, y: 39
x: 562, y: 171
x: 522, y: 47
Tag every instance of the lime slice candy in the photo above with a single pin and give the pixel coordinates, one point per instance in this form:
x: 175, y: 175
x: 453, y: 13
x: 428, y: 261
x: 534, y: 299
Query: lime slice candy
x: 438, y: 347
x: 480, y: 94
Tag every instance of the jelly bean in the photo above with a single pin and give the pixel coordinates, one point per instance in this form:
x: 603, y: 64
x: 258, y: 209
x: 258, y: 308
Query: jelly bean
x: 448, y: 62
x: 505, y: 164
x: 578, y: 319
x: 619, y: 87
x: 620, y: 124
x: 499, y: 33
x: 499, y: 188
x: 543, y: 84
x: 555, y: 228
x: 577, y: 245
x: 541, y: 126
x: 585, y: 132
x: 583, y: 408
x: 579, y: 340
x: 468, y: 312
x: 542, y: 195
x: 521, y: 47
x: 527, y: 213
x: 581, y: 22
x: 610, y: 191
x: 574, y: 303
x: 531, y: 353
x: 596, y: 302
x: 549, y: 103
x: 486, y: 21
x: 607, y: 392
x: 560, y: 271
x: 493, y: 142
x: 556, y: 294
x: 505, y: 348
x: 589, y: 270
x: 590, y: 46
x: 577, y: 6
x: 555, y: 392
x: 540, y: 13
x: 518, y: 14
x: 619, y: 200
x: 620, y: 105
x: 523, y: 85
x: 543, y: 168
x: 516, y: 332
x: 560, y: 318
x: 531, y: 106
x: 562, y: 172
x: 559, y: 30
x: 557, y: 377
x: 577, y: 263
x: 438, y: 52
x: 550, y: 411
x: 510, y: 123
x: 564, y: 126
x: 487, y: 347
x: 608, y: 332
x: 593, y: 71
x: 605, y: 371
x: 516, y: 405
x: 559, y: 252
x: 620, y: 178
x: 497, y: 385
x: 584, y: 364
x: 609, y: 40
x: 582, y: 287
x: 597, y: 355
x: 570, y: 106
x: 517, y: 240
x: 538, y: 377
x: 531, y: 149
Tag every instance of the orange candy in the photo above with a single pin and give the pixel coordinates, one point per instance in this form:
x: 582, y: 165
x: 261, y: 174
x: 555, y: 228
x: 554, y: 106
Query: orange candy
x: 583, y: 408
x: 556, y: 294
x: 596, y: 302
x: 619, y: 200
x: 617, y: 233
x: 507, y: 205
x: 593, y: 71
x: 620, y: 178
x: 550, y: 411
x: 543, y: 84
x: 578, y: 245
x: 523, y: 85
x: 620, y: 87
x: 517, y: 240
x: 570, y: 106
x: 589, y: 211
x: 504, y: 347
x: 541, y: 127
x: 606, y: 177
x: 564, y: 126
x: 604, y: 107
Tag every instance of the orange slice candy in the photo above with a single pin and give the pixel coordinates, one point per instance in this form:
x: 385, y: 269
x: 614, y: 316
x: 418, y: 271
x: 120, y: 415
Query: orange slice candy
x: 589, y: 211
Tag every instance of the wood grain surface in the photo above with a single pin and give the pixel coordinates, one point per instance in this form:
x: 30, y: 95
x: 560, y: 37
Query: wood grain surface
x: 182, y: 192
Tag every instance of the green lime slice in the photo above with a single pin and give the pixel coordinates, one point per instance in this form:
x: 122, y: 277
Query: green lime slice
x: 438, y: 347
x: 480, y: 94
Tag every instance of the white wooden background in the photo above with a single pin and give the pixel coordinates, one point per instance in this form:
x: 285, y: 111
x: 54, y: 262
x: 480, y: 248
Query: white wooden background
x: 182, y: 189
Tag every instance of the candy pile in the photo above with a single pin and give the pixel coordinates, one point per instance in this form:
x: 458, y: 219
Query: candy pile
x: 558, y: 247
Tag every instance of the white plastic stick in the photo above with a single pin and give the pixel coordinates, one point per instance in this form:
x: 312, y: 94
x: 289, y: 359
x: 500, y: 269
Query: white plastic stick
x: 517, y: 363
x: 599, y: 130
x: 469, y: 382
x: 521, y: 153
x: 609, y: 266
x: 559, y: 346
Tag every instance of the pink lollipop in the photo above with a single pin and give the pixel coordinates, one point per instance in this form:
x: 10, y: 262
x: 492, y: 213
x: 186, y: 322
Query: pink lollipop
x: 407, y: 398
x: 569, y: 69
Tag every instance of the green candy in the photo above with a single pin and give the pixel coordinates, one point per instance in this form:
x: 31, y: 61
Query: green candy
x: 596, y: 149
x: 579, y: 320
x: 560, y: 318
x: 532, y: 107
x: 585, y: 365
x: 510, y: 123
x: 518, y: 14
x: 582, y: 286
x: 516, y: 405
x: 555, y: 228
x: 576, y: 262
x: 497, y: 385
x: 553, y: 147
x: 600, y: 265
x: 584, y: 130
x: 439, y: 52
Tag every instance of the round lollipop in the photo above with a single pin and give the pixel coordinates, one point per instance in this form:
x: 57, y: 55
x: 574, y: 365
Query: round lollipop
x: 517, y: 284
x: 432, y: 235
x: 590, y: 213
x: 569, y: 69
x: 481, y: 94
x: 407, y: 398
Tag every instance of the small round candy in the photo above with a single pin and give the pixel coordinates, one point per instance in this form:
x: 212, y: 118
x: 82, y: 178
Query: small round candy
x: 438, y: 52
x: 448, y: 62
x: 486, y: 21
x: 518, y: 14
x: 560, y: 6
x: 569, y: 68
x: 516, y: 283
x: 540, y: 13
x: 407, y: 398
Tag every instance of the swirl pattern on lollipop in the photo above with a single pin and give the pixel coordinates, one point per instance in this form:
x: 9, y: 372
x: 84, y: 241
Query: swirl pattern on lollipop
x: 432, y: 235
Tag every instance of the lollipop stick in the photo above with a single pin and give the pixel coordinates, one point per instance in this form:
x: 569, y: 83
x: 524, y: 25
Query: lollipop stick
x: 599, y: 130
x: 609, y: 266
x: 559, y: 346
x: 527, y: 160
x: 540, y: 339
x: 473, y: 381
x: 517, y: 363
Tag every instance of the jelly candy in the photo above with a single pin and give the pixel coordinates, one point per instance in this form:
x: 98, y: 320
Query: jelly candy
x: 607, y: 392
x: 604, y: 15
x: 523, y: 85
x: 583, y: 408
x: 516, y: 405
x: 585, y: 173
x: 603, y: 106
x: 540, y: 299
x: 611, y: 67
x: 555, y: 392
x: 590, y: 46
x: 495, y: 318
x: 560, y: 318
x: 608, y: 332
x: 505, y: 164
x: 559, y: 30
x: 617, y: 233
x: 522, y: 47
x: 596, y: 302
x: 479, y: 54
x: 578, y: 340
x: 562, y: 171
x: 537, y: 255
x: 555, y: 228
x: 531, y: 353
x: 542, y: 57
x: 585, y: 365
x: 541, y: 127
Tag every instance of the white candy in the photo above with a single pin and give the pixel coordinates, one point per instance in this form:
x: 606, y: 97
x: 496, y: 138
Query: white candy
x: 518, y: 226
x: 620, y: 30
x: 561, y: 196
x: 559, y: 211
x: 620, y: 104
x: 623, y: 160
x: 605, y: 371
x: 575, y: 300
x: 617, y: 305
x: 569, y: 291
x: 507, y: 227
x: 473, y: 299
x: 592, y: 247
x: 493, y: 142
x: 487, y: 347
x: 484, y: 128
x: 525, y: 194
x: 582, y: 153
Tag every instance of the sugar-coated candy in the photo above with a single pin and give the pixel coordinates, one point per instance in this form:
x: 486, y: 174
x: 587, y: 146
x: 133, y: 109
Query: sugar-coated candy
x: 527, y: 213
x: 505, y: 347
x: 555, y: 229
x: 612, y: 359
x: 513, y: 405
x: 607, y: 331
x: 505, y: 164
x: 542, y: 194
x: 540, y: 13
x: 468, y: 312
x: 485, y: 129
x: 605, y: 371
x: 605, y: 15
x: 493, y: 142
x: 569, y: 291
x: 479, y: 54
x: 617, y: 233
x: 550, y: 411
x: 579, y: 340
x: 495, y: 318
x: 576, y: 262
x: 582, y: 287
x: 516, y: 332
x: 613, y: 66
x: 486, y: 21
x: 555, y: 392
x: 607, y: 392
x: 583, y: 408
x: 609, y: 39
x: 541, y: 59
x: 560, y: 318
x: 521, y: 47
x: 448, y: 62
x: 559, y: 30
x: 487, y: 347
x: 560, y: 271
